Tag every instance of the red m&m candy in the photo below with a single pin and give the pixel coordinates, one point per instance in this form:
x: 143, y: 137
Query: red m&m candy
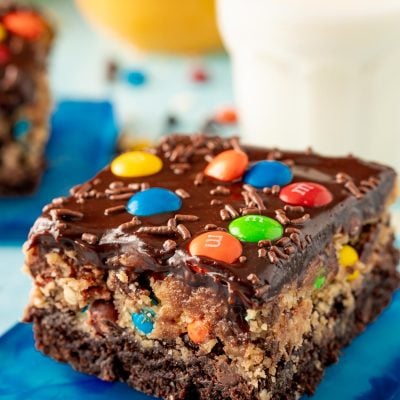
x: 228, y: 165
x: 4, y: 54
x: 218, y: 245
x: 307, y: 194
x: 26, y: 24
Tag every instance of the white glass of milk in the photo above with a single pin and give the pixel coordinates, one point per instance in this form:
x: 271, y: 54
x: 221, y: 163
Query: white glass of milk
x: 320, y: 73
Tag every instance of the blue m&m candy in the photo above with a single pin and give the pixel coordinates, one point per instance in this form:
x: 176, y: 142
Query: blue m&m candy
x: 153, y: 201
x: 144, y: 320
x: 135, y: 77
x: 268, y: 173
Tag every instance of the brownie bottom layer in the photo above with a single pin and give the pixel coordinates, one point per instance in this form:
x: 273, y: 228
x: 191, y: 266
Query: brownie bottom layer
x: 119, y: 356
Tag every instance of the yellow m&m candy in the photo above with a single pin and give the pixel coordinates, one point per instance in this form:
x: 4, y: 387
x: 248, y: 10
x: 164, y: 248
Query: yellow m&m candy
x: 3, y: 33
x: 348, y: 256
x: 135, y: 164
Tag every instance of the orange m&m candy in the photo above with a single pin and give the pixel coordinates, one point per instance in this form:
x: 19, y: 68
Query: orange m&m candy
x: 228, y: 165
x: 198, y: 331
x: 218, y: 245
x: 226, y: 116
x: 26, y: 24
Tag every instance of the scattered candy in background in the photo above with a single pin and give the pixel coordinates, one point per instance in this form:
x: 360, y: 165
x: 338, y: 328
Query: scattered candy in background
x: 306, y: 194
x: 135, y: 77
x: 199, y: 74
x: 24, y: 23
x: 227, y: 166
x: 134, y: 164
x: 144, y: 321
x: 153, y: 201
x: 226, y: 115
x: 267, y: 174
x: 253, y: 228
x: 218, y: 245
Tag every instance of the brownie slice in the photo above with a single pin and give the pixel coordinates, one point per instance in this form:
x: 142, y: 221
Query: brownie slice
x: 202, y: 269
x: 25, y: 41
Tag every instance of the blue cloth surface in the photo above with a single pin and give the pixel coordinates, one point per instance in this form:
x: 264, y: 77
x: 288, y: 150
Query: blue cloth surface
x: 82, y: 142
x: 369, y: 369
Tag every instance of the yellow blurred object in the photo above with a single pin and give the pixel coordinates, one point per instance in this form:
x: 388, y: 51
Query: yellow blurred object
x: 347, y: 256
x: 178, y: 26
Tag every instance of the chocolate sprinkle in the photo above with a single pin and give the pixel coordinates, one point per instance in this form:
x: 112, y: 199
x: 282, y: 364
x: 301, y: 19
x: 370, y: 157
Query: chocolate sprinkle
x: 301, y: 220
x: 65, y: 213
x: 124, y: 196
x: 90, y: 238
x: 264, y: 243
x: 114, y: 210
x: 215, y: 202
x: 353, y: 189
x: 231, y: 210
x: 169, y: 245
x: 157, y: 230
x: 225, y: 216
x: 290, y: 208
x: 127, y: 226
x: 184, y: 232
x: 182, y: 193
x: 272, y: 257
x: 186, y: 218
x: 220, y: 190
x: 262, y: 252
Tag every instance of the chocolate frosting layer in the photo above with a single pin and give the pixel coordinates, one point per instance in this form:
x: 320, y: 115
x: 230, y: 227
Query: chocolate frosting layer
x: 94, y: 223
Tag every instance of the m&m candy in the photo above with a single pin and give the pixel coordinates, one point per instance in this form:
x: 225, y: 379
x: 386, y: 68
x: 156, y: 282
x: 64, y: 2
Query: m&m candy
x: 268, y: 173
x: 144, y: 320
x: 153, y: 201
x: 135, y: 164
x: 134, y: 77
x: 198, y: 331
x: 3, y: 33
x: 218, y: 245
x: 4, y: 54
x: 227, y: 166
x: 319, y: 282
x: 24, y: 23
x: 21, y: 128
x: 348, y: 256
x: 307, y: 194
x: 253, y: 228
x: 226, y: 116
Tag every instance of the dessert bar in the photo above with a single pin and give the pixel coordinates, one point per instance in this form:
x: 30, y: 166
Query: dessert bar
x: 203, y: 269
x: 25, y: 41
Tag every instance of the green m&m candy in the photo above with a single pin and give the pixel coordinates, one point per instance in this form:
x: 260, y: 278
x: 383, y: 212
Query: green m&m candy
x: 253, y: 228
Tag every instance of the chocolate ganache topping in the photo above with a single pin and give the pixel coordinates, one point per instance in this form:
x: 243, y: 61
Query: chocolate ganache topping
x: 94, y: 221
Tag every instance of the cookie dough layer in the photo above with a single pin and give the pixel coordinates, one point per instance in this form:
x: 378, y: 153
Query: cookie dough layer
x: 289, y: 341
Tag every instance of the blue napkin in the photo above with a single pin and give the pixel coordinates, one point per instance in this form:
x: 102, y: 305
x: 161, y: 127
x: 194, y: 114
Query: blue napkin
x: 83, y: 138
x: 368, y: 370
